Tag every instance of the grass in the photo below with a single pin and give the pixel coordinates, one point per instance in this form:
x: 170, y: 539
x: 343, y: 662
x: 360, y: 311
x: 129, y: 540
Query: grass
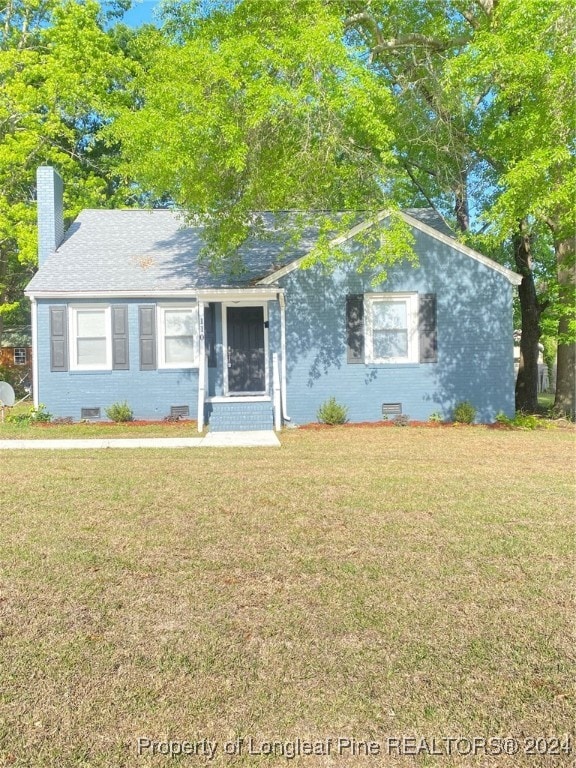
x: 546, y: 400
x: 358, y: 583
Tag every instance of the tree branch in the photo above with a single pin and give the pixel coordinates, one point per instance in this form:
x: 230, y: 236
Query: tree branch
x: 416, y: 40
x: 487, y: 6
x: 417, y: 184
x: 420, y: 167
x: 409, y: 40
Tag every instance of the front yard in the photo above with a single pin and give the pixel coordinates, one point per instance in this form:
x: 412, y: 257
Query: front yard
x: 359, y: 583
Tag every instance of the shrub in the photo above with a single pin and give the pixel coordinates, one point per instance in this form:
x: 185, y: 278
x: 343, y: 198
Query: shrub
x: 41, y: 414
x: 402, y: 420
x: 120, y: 412
x: 19, y: 418
x: 501, y: 418
x: 464, y: 413
x: 31, y: 416
x: 331, y: 412
x: 435, y: 417
x: 523, y: 421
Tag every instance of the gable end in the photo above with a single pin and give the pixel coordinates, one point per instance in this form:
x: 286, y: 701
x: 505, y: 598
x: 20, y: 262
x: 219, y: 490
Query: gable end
x: 451, y: 242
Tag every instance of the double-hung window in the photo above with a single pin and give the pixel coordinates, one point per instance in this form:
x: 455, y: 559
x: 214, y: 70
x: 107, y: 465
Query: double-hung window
x: 178, y: 336
x: 91, y: 338
x: 20, y: 356
x: 392, y: 327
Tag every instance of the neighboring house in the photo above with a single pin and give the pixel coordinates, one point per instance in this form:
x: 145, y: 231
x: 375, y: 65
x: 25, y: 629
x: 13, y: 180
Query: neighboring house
x: 16, y: 354
x: 123, y: 310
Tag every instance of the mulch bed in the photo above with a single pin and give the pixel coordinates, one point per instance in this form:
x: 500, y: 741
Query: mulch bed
x: 559, y: 424
x: 138, y: 423
x: 377, y: 424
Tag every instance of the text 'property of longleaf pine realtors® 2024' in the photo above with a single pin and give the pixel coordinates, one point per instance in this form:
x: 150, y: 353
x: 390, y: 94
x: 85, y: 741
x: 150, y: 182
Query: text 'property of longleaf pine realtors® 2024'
x: 352, y: 747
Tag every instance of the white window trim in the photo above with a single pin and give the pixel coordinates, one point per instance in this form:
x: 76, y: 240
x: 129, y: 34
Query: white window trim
x: 72, y: 325
x: 411, y: 301
x: 21, y: 362
x: 160, y: 338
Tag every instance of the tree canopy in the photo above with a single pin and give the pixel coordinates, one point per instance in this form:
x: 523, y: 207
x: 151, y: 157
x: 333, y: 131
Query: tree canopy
x: 465, y: 105
x: 260, y: 108
x: 62, y: 76
x: 238, y: 106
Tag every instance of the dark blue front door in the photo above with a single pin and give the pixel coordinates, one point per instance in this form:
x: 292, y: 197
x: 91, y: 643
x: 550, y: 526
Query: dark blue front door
x: 246, y: 360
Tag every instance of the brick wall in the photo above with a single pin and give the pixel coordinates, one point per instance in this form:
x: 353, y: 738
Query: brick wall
x: 149, y: 393
x: 49, y: 195
x: 474, y: 324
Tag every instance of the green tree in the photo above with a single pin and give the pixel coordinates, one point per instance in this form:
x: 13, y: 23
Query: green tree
x: 263, y: 107
x: 529, y: 133
x: 350, y: 104
x: 489, y: 119
x: 62, y: 77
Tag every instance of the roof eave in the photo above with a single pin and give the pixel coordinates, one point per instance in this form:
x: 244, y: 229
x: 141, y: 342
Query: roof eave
x: 186, y: 293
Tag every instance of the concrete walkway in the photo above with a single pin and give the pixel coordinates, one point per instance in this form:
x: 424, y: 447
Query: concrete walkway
x: 249, y: 439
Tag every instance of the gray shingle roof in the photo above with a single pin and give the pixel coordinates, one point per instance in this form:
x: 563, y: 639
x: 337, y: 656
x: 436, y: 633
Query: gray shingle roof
x: 154, y: 251
x: 430, y: 217
x: 149, y: 250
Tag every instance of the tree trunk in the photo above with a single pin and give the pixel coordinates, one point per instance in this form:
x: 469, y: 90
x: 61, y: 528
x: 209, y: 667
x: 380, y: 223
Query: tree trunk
x: 527, y: 379
x: 565, y: 399
x: 461, y: 208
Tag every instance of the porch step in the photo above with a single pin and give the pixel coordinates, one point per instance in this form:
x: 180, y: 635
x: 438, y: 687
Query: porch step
x: 240, y: 417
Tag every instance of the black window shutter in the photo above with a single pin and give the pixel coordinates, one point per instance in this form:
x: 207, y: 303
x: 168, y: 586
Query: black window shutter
x: 355, y: 328
x: 427, y: 328
x: 59, y: 338
x: 210, y: 333
x: 147, y: 325
x: 120, y: 351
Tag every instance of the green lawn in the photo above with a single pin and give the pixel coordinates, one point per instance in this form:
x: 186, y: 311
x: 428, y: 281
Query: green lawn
x: 366, y: 583
x: 546, y: 401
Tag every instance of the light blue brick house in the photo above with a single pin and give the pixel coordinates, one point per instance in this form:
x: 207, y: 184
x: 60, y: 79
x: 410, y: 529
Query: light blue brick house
x: 124, y: 310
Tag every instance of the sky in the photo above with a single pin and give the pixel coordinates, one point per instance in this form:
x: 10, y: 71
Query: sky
x: 141, y: 13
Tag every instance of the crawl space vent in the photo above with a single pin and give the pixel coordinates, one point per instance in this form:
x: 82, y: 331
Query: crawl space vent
x: 391, y: 409
x: 179, y: 411
x: 90, y: 413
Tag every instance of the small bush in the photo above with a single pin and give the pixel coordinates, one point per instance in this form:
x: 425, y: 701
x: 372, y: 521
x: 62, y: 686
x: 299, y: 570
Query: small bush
x: 31, y: 416
x: 23, y: 418
x: 435, y: 417
x: 464, y: 413
x: 402, y: 420
x: 120, y: 412
x: 523, y: 421
x: 40, y: 414
x: 331, y: 412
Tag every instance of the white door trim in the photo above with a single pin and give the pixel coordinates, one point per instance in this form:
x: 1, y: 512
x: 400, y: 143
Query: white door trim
x: 225, y: 305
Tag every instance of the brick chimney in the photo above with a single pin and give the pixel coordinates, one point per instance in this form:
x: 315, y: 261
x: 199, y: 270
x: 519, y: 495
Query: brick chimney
x: 49, y: 196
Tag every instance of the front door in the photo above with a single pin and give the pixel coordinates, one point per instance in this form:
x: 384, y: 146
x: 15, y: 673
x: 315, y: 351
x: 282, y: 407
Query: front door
x: 246, y: 358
